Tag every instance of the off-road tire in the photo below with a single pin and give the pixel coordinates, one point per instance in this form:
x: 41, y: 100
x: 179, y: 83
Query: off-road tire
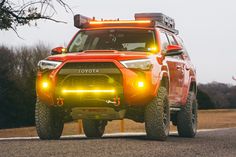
x: 94, y: 128
x: 49, y: 121
x: 187, y: 117
x: 157, y: 116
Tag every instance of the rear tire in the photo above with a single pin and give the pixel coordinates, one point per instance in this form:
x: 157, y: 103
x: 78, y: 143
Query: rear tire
x: 187, y: 117
x: 94, y: 128
x: 157, y: 116
x: 49, y: 121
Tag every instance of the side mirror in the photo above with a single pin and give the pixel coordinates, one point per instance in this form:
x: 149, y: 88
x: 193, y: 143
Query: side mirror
x: 173, y: 50
x: 58, y: 50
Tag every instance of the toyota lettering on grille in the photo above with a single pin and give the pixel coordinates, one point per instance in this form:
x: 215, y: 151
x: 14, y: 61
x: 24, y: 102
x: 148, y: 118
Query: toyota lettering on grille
x: 88, y: 71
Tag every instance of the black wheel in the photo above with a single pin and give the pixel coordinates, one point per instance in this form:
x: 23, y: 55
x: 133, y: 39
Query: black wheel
x: 49, y: 121
x: 187, y: 117
x: 157, y: 116
x: 94, y: 128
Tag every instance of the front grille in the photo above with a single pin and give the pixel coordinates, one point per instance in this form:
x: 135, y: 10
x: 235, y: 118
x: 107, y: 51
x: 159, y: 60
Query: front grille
x: 89, y: 75
x: 89, y: 65
x: 85, y: 81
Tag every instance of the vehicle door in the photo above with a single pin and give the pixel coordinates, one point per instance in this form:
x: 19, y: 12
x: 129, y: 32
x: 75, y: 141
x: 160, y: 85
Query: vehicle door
x: 189, y: 67
x: 176, y: 67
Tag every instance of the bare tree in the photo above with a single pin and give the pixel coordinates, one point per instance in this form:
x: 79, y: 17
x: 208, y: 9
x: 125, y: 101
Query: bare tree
x: 22, y: 12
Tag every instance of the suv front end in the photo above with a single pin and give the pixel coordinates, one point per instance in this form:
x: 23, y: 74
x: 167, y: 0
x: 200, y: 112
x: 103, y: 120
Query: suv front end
x: 90, y: 85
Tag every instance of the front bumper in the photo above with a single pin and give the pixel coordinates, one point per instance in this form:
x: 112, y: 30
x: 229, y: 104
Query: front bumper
x: 84, y: 87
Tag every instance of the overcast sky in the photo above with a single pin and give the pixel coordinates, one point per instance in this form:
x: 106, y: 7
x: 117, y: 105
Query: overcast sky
x: 208, y: 28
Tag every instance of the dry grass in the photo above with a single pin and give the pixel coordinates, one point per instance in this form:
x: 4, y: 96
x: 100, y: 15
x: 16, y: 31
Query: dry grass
x: 208, y: 119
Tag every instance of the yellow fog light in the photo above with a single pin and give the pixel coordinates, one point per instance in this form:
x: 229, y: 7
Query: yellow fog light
x: 140, y: 84
x: 45, y: 85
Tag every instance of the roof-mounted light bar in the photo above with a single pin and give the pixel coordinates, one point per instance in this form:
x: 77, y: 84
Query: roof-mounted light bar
x: 121, y: 22
x: 141, y: 19
x: 81, y: 21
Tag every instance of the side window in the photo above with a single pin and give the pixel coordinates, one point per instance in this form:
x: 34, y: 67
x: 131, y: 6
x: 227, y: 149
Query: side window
x: 181, y: 43
x: 164, y: 41
x: 172, y: 40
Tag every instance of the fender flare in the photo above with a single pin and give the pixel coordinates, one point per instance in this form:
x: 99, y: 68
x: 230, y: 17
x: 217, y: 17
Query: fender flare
x: 164, y: 74
x: 192, y: 82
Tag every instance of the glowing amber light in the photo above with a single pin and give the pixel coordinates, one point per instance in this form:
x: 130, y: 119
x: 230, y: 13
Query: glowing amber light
x: 140, y: 84
x: 88, y: 91
x: 152, y: 49
x: 63, y: 50
x: 45, y: 85
x: 123, y: 22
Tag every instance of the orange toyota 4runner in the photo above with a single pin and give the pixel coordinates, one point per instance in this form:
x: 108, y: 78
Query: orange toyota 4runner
x: 115, y: 69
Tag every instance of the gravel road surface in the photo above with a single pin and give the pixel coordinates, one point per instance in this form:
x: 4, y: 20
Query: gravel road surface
x: 208, y: 143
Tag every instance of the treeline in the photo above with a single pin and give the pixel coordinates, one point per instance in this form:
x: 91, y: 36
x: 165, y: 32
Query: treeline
x: 216, y: 95
x: 18, y: 68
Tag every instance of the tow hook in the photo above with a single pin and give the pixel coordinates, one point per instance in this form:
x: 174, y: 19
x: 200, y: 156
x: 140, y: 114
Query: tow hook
x: 116, y: 101
x: 60, y: 101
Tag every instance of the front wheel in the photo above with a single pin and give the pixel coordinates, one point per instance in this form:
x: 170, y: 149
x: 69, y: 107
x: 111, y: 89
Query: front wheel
x: 187, y: 117
x: 49, y: 121
x: 157, y: 116
x: 94, y: 128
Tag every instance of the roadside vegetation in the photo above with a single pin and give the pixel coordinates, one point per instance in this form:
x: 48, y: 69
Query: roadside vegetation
x: 216, y: 95
x: 18, y: 66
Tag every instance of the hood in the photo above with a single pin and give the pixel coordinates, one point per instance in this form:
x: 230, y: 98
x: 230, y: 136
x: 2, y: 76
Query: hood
x: 100, y: 54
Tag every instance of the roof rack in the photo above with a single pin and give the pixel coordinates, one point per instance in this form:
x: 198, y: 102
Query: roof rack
x: 159, y: 19
x: 141, y: 19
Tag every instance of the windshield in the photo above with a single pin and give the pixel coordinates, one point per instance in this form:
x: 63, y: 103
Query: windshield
x: 141, y: 40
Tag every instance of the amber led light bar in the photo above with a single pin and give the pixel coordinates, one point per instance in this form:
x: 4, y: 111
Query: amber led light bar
x: 89, y: 91
x: 121, y: 22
